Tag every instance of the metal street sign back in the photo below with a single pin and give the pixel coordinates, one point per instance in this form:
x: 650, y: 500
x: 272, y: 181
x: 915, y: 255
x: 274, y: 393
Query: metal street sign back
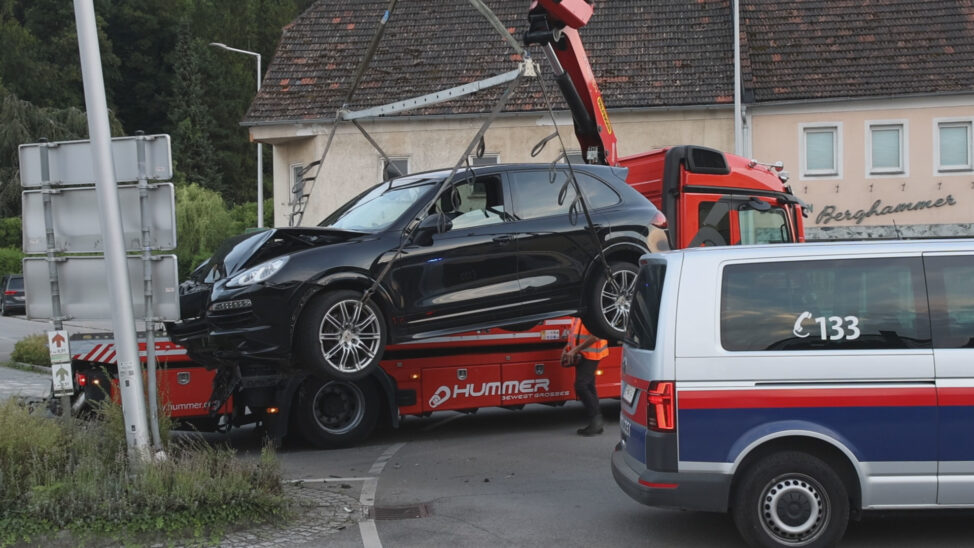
x: 71, y: 161
x: 84, y: 288
x: 77, y: 227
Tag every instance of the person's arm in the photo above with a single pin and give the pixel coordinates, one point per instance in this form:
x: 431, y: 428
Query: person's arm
x: 588, y: 341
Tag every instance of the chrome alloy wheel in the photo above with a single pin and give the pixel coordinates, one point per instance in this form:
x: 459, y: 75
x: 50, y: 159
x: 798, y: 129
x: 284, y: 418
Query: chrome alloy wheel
x: 339, y: 407
x: 615, y: 298
x: 350, y: 335
x: 794, y: 509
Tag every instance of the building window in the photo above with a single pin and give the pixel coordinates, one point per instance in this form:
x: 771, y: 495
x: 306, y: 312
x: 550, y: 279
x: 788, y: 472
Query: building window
x: 397, y: 166
x: 487, y: 160
x: 886, y: 148
x: 954, y: 146
x: 821, y: 150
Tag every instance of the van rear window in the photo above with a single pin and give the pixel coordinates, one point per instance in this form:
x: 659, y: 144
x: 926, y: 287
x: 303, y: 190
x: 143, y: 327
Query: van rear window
x: 644, y: 313
x: 951, y: 300
x: 827, y: 304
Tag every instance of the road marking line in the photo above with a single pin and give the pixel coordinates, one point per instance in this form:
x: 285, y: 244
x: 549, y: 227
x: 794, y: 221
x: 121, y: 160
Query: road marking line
x: 367, y: 528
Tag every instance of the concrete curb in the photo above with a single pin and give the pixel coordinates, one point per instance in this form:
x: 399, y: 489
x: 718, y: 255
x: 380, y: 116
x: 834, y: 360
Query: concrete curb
x: 29, y: 366
x: 34, y: 367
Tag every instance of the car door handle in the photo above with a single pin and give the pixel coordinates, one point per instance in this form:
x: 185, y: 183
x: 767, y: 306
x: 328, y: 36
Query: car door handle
x: 503, y: 239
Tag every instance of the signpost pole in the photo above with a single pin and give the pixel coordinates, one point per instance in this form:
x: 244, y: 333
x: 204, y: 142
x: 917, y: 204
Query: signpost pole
x: 129, y: 372
x: 150, y: 320
x: 57, y: 359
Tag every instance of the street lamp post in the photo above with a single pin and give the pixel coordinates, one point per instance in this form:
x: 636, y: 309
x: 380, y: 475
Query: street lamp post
x: 260, y: 155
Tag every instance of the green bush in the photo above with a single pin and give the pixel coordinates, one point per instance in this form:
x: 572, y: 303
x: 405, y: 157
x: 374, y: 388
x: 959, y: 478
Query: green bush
x: 58, y: 474
x: 11, y: 233
x: 33, y: 350
x: 10, y: 260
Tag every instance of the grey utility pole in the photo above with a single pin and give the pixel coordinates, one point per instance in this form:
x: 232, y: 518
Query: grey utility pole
x: 123, y: 318
x: 260, y: 152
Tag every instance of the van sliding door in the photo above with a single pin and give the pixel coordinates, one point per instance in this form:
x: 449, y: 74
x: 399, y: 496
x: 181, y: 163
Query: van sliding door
x: 952, y: 319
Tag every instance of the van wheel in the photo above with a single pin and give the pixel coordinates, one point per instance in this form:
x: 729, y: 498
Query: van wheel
x: 341, y: 337
x: 791, y: 499
x: 333, y: 413
x: 608, y: 303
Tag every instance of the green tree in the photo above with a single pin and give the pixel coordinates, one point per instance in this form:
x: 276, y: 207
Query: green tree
x: 23, y: 122
x: 202, y: 222
x: 193, y: 125
x: 145, y: 31
x: 39, y: 58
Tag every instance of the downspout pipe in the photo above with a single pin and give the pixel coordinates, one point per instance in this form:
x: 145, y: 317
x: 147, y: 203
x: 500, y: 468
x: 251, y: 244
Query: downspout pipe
x: 738, y: 116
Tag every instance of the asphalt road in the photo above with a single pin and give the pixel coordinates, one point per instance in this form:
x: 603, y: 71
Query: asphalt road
x: 523, y: 478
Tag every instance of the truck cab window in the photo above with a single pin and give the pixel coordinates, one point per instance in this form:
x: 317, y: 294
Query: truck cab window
x: 763, y: 227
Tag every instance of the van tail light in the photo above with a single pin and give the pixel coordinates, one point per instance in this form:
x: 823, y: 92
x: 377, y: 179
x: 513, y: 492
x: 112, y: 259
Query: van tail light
x: 659, y: 220
x: 661, y: 411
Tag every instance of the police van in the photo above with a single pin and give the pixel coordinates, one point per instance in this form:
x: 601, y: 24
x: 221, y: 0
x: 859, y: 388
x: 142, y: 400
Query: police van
x: 798, y: 385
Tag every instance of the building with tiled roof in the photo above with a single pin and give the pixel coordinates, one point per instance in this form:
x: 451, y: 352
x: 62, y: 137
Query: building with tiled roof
x: 890, y: 76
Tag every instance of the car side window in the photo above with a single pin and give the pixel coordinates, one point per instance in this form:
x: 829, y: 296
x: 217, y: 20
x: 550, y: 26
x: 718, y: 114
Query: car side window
x: 836, y: 304
x: 474, y: 202
x: 536, y: 193
x: 951, y: 300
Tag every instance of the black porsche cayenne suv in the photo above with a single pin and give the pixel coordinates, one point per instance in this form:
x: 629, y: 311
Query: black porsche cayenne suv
x: 503, y: 245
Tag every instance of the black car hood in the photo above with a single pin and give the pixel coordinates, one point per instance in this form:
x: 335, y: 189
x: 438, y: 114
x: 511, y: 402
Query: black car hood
x: 246, y: 250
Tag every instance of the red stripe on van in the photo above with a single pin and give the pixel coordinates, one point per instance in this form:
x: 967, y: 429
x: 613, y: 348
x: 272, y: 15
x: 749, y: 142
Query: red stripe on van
x: 637, y: 382
x: 807, y: 397
x: 956, y: 396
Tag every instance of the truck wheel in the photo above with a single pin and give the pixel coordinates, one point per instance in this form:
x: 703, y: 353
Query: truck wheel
x: 341, y: 337
x: 791, y: 499
x: 333, y: 413
x: 608, y: 304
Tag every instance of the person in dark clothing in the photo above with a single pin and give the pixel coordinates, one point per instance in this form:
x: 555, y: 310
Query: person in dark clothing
x: 584, y: 351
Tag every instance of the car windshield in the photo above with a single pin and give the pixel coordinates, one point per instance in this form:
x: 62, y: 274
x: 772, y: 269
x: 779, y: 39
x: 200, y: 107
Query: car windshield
x: 379, y: 207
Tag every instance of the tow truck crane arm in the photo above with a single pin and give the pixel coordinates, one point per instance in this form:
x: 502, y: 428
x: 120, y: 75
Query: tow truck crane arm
x: 554, y: 25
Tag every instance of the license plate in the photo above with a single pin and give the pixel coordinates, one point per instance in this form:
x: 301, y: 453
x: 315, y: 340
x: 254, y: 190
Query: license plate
x: 629, y: 394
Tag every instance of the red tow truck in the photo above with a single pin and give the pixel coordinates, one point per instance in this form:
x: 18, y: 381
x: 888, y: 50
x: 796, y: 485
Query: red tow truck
x: 708, y: 198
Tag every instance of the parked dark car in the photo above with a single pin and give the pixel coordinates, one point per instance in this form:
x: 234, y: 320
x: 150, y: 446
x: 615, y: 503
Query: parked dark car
x: 505, y: 245
x: 12, y: 301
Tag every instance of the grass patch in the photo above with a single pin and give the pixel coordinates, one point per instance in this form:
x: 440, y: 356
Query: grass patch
x: 32, y: 349
x: 72, y: 482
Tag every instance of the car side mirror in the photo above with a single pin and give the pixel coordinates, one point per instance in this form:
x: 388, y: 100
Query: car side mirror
x: 432, y: 224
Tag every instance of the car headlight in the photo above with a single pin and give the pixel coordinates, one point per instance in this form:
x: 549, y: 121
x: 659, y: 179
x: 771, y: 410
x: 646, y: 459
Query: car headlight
x: 258, y: 273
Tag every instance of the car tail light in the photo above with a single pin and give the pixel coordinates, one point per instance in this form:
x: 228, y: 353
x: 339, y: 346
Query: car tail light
x: 661, y: 411
x: 9, y: 292
x: 81, y: 379
x: 659, y: 220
